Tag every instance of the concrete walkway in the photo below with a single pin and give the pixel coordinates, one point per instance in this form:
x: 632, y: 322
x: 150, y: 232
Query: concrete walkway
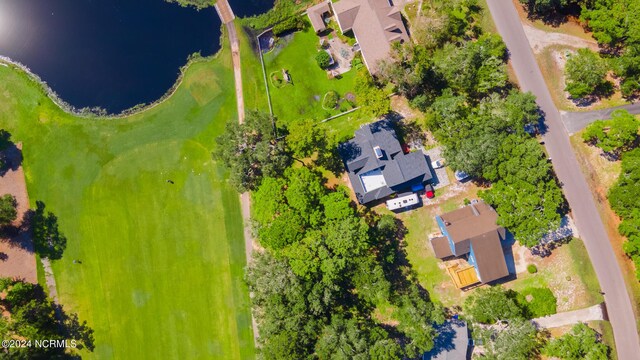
x: 51, y: 280
x: 575, y: 121
x: 570, y: 317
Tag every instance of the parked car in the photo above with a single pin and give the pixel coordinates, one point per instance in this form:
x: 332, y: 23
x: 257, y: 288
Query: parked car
x: 437, y: 164
x: 461, y: 175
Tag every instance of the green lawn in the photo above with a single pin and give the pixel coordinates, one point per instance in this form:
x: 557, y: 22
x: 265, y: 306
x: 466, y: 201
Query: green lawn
x: 162, y: 264
x: 303, y: 99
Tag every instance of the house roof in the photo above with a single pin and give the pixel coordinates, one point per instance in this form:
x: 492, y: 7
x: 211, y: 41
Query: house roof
x: 451, y: 343
x: 441, y: 247
x: 470, y: 221
x: 489, y: 256
x: 398, y: 169
x: 375, y: 23
x: 315, y: 14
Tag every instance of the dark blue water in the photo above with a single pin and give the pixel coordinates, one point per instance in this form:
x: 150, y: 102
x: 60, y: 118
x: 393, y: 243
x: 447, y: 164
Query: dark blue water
x: 110, y: 53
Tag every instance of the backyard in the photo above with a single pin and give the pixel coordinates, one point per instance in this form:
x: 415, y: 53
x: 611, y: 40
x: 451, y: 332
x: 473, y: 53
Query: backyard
x: 304, y: 96
x: 156, y: 228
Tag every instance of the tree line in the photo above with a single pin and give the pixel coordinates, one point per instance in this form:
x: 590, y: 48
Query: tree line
x: 327, y: 266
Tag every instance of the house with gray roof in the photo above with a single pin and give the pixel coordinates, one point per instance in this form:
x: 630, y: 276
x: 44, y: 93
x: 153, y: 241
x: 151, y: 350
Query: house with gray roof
x: 451, y: 343
x: 378, y: 167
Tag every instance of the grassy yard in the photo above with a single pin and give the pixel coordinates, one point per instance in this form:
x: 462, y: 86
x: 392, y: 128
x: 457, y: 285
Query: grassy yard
x: 162, y: 264
x: 303, y: 98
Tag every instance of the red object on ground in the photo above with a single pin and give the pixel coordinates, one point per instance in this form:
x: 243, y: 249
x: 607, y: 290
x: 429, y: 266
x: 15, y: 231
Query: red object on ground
x: 405, y: 148
x: 430, y: 194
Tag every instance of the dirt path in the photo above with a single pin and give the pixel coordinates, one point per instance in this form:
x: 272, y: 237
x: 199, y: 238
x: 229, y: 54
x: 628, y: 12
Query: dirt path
x: 18, y: 259
x: 51, y: 280
x: 570, y: 317
x: 540, y: 39
x: 226, y: 15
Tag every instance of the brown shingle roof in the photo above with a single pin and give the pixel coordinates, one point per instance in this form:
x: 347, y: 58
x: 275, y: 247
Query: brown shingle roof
x: 463, y: 224
x: 375, y: 24
x: 315, y: 14
x: 441, y: 247
x: 489, y: 257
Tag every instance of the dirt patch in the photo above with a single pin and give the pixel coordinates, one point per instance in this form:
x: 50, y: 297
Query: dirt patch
x: 540, y: 39
x: 18, y: 259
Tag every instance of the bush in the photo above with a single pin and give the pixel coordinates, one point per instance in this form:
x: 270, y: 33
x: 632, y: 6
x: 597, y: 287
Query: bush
x: 586, y: 74
x: 323, y: 59
x: 330, y: 100
x: 532, y: 269
x: 537, y: 302
x: 289, y: 24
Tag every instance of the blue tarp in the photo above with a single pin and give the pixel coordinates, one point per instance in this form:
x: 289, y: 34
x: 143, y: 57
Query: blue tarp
x: 417, y: 187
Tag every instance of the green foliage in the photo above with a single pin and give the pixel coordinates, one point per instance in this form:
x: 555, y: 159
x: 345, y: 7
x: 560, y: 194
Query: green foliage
x: 491, y: 304
x: 537, y: 302
x: 532, y: 269
x: 623, y: 197
x: 581, y: 343
x: 292, y: 23
x: 198, y: 4
x: 32, y: 316
x: 330, y: 100
x: 251, y: 150
x: 615, y: 135
x: 8, y: 212
x: 323, y: 59
x: 282, y: 17
x: 373, y: 99
x: 525, y: 194
x: 305, y: 138
x: 446, y: 21
x: 475, y: 68
x: 542, y: 8
x: 520, y: 340
x: 613, y: 22
x: 325, y: 270
x: 586, y: 74
x: 48, y: 241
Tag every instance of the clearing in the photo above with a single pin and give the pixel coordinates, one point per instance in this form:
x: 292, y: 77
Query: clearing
x: 162, y: 263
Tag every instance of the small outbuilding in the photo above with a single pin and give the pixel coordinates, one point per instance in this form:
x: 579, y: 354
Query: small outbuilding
x: 452, y: 342
x: 317, y: 15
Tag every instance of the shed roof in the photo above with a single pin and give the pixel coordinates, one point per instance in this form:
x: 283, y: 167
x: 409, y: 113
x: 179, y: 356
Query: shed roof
x: 451, y: 343
x: 441, y: 247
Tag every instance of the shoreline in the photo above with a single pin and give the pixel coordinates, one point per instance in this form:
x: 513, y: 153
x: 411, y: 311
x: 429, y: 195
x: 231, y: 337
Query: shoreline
x: 97, y: 113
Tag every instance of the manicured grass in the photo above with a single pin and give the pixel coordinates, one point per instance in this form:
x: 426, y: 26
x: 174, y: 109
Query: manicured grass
x: 303, y: 99
x: 162, y: 264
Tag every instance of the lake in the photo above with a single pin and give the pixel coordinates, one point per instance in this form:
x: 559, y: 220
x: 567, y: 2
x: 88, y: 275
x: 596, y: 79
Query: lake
x: 110, y: 53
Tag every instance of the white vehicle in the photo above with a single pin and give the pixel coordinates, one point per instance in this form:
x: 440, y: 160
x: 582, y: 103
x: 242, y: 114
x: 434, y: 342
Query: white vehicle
x: 437, y: 164
x: 403, y: 202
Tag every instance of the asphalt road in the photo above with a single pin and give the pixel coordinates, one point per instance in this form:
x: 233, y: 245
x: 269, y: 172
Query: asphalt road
x: 575, y: 121
x: 575, y: 187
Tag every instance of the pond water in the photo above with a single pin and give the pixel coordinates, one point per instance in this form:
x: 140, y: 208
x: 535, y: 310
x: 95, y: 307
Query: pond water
x: 110, y: 53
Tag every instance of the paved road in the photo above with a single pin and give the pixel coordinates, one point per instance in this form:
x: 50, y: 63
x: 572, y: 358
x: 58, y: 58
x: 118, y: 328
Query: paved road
x: 570, y: 317
x: 577, y: 192
x: 575, y: 121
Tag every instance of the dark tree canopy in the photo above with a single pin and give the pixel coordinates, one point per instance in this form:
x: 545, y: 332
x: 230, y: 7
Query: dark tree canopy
x: 251, y: 150
x: 48, y: 240
x: 323, y: 59
x: 586, y: 74
x: 324, y: 271
x: 614, y: 136
x: 581, y: 343
x: 34, y: 316
x: 8, y: 212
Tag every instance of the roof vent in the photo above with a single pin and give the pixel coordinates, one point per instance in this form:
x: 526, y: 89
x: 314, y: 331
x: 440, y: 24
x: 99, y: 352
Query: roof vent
x: 378, y: 152
x: 475, y: 211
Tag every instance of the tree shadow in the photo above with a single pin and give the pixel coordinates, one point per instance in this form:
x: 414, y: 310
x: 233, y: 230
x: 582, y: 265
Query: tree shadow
x: 552, y: 17
x: 10, y: 153
x: 18, y: 236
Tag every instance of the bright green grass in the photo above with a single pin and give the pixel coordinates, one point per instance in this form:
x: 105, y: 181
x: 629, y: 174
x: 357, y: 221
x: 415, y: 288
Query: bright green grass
x: 42, y: 281
x: 162, y: 264
x: 303, y: 99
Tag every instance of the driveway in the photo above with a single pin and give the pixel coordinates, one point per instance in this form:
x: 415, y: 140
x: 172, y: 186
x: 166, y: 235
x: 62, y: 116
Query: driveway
x: 570, y: 317
x: 575, y: 121
x: 575, y: 187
